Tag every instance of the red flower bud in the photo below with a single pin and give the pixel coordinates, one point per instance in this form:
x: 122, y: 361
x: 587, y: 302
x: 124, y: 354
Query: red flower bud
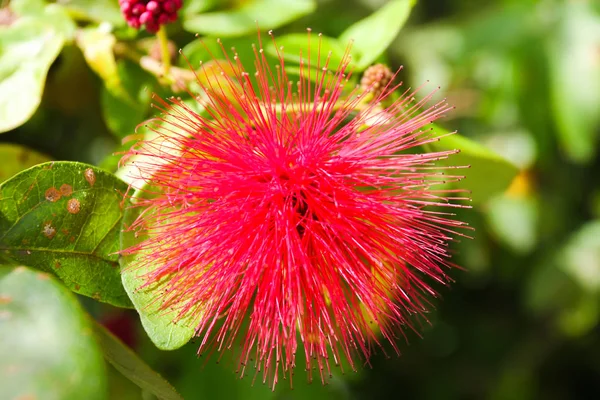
x: 151, y: 14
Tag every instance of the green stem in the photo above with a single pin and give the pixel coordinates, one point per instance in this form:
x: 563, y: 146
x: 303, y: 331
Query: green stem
x: 164, y: 49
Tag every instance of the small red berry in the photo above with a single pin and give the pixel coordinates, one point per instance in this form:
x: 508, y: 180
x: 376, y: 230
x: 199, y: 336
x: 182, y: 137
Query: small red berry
x: 151, y: 14
x: 163, y: 19
x: 146, y: 17
x: 169, y: 6
x: 138, y: 9
x: 153, y: 6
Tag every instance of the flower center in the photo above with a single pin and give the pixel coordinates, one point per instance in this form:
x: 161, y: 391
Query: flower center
x: 295, y: 195
x: 301, y: 208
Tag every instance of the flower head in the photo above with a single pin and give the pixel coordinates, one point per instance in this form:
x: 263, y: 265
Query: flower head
x: 150, y: 13
x: 294, y: 216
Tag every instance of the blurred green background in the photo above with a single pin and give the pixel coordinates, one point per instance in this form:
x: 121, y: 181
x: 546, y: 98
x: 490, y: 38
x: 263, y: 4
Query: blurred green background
x: 521, y: 321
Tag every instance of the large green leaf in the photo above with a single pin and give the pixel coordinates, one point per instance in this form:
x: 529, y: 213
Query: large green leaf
x: 514, y: 220
x: 97, y: 47
x: 581, y: 256
x: 266, y: 14
x: 193, y: 7
x: 372, y: 35
x: 125, y: 108
x: 132, y: 367
x: 27, y: 49
x: 65, y: 218
x: 487, y: 173
x: 16, y: 158
x: 575, y: 79
x: 158, y: 323
x: 96, y: 10
x: 46, y: 341
x: 294, y: 47
x: 208, y: 48
x: 27, y: 7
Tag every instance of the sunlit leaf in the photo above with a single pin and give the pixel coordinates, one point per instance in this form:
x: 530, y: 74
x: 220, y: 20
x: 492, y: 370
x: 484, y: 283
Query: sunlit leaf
x: 487, y: 174
x: 575, y: 79
x: 65, y: 218
x: 295, y: 47
x: 513, y: 219
x: 95, y: 10
x: 46, y: 341
x: 581, y: 257
x: 264, y: 14
x: 97, y: 47
x: 207, y: 49
x: 27, y: 7
x: 27, y: 49
x: 372, y: 35
x: 193, y: 7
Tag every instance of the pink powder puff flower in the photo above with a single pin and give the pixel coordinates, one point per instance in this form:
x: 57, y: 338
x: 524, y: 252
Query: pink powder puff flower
x: 284, y: 219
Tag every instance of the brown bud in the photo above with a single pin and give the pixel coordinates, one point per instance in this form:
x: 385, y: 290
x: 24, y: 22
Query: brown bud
x: 376, y: 78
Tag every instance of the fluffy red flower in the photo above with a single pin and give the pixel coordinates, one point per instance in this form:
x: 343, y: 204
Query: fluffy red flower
x: 289, y: 220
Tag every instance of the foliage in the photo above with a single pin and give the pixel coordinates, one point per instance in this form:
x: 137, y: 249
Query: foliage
x: 76, y: 84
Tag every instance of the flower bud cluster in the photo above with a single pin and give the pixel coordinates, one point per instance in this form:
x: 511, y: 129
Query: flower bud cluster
x: 376, y: 78
x: 152, y: 14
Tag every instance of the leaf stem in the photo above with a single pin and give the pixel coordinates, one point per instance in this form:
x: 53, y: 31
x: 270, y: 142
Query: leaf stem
x: 164, y: 49
x: 153, y: 66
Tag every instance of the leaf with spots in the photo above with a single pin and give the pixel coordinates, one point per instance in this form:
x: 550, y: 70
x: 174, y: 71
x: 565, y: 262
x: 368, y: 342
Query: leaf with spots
x: 47, y: 343
x: 65, y: 218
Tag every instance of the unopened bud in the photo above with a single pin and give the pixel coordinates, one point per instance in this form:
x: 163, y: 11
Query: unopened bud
x: 375, y: 79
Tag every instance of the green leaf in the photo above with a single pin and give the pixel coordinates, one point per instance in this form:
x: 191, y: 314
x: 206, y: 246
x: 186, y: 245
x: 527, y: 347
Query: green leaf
x: 130, y: 173
x: 95, y: 10
x: 27, y: 7
x: 16, y: 158
x: 575, y: 80
x: 514, y: 220
x: 193, y: 7
x: 580, y: 258
x: 97, y: 47
x: 124, y: 109
x: 373, y: 35
x: 208, y: 48
x: 487, y: 174
x: 46, y: 341
x: 65, y: 218
x: 580, y: 318
x: 132, y: 367
x: 295, y: 48
x: 158, y: 323
x: 27, y: 49
x: 266, y: 14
